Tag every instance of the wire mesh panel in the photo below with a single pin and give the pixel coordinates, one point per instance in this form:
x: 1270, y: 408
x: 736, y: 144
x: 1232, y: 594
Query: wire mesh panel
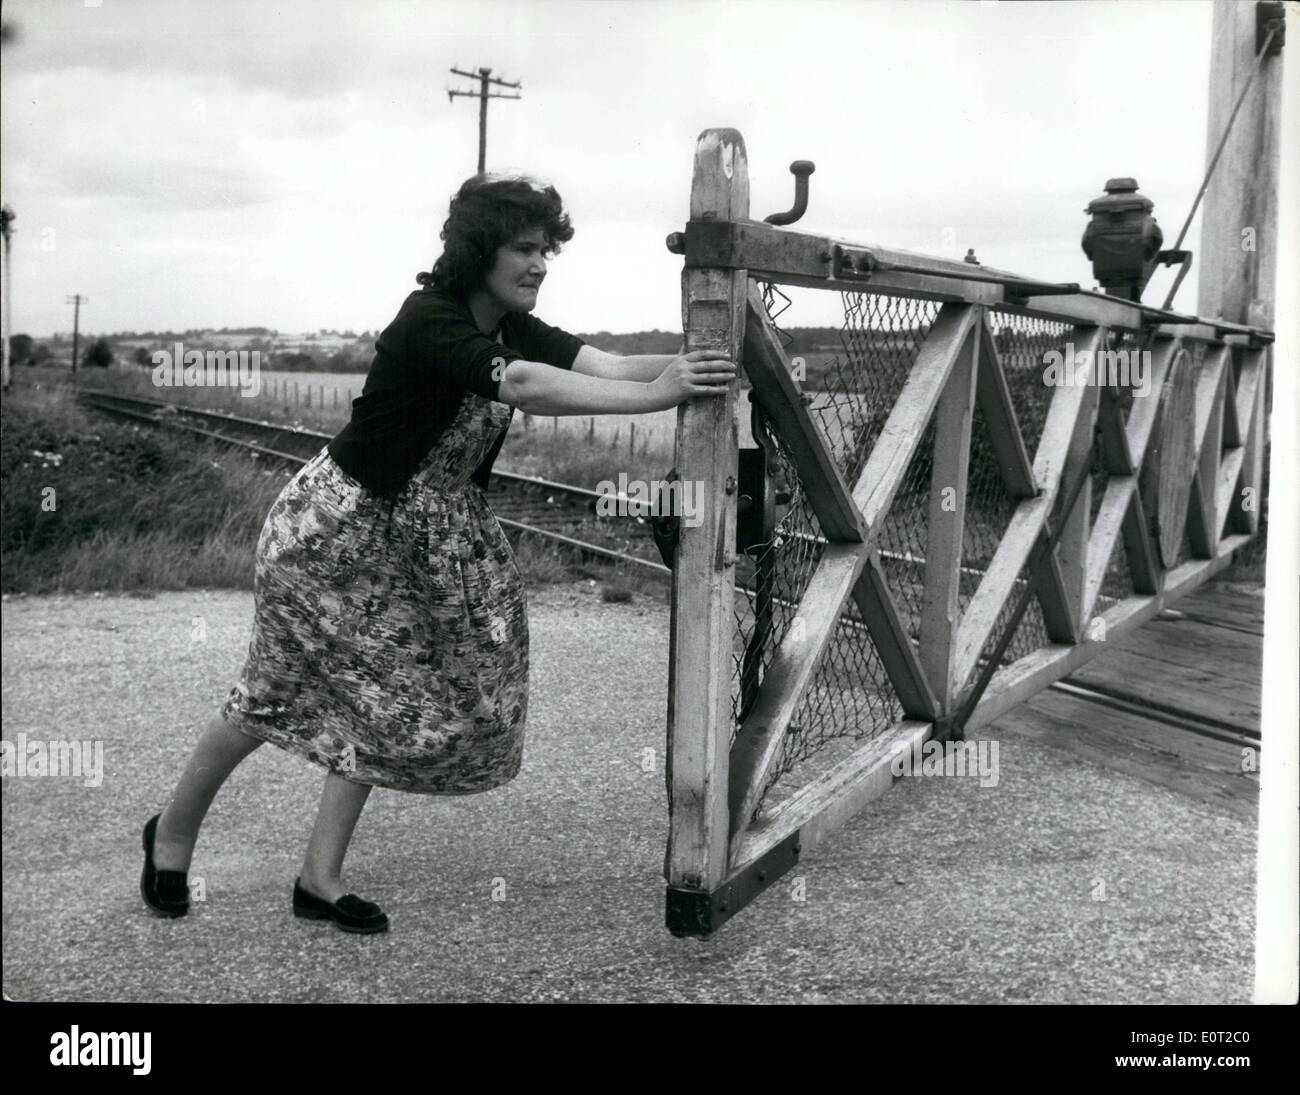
x: 857, y: 386
x: 1024, y: 345
x: 850, y: 698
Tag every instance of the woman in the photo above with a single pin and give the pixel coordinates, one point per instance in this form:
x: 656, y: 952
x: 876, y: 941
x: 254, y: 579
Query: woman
x: 390, y: 639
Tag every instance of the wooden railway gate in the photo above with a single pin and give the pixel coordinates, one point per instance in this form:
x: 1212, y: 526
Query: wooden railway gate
x: 949, y: 464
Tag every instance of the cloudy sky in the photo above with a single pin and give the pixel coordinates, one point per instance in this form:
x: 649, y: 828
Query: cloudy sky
x: 190, y: 164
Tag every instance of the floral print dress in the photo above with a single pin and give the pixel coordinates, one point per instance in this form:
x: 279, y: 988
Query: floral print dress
x: 390, y: 638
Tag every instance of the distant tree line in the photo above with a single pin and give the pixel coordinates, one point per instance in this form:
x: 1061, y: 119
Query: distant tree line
x: 802, y: 340
x: 25, y: 350
x: 356, y: 355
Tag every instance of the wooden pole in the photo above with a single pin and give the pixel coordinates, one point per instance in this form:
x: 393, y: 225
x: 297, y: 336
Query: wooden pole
x: 482, y: 118
x: 1238, y: 252
x: 75, y: 300
x: 700, y: 718
x: 484, y: 78
x: 6, y: 314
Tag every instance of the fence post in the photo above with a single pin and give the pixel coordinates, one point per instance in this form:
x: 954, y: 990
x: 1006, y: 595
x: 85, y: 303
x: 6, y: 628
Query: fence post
x: 700, y: 715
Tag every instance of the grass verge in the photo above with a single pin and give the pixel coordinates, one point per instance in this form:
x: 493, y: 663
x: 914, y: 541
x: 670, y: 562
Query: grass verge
x: 91, y: 504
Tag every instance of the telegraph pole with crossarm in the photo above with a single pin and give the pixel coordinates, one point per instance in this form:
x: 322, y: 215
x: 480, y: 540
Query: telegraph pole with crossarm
x: 483, y: 95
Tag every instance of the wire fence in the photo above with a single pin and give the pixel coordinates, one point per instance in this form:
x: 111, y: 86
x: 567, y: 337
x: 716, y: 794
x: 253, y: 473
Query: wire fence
x: 850, y: 699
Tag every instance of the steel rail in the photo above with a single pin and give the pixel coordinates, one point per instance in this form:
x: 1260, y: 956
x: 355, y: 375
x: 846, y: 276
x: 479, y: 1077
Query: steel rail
x: 1118, y: 700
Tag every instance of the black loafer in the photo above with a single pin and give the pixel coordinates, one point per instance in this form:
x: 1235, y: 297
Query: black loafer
x: 349, y: 912
x: 166, y: 892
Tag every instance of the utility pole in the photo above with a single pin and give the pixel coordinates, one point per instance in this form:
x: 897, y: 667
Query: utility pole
x: 7, y: 218
x: 483, y: 95
x: 1239, y: 244
x: 76, y: 300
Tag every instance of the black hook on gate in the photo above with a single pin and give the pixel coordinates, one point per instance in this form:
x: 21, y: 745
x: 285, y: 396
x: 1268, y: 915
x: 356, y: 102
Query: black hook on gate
x: 800, y: 169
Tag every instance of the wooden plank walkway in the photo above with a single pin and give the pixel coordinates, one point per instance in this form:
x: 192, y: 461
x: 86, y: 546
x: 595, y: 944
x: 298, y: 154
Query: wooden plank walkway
x: 1177, y: 703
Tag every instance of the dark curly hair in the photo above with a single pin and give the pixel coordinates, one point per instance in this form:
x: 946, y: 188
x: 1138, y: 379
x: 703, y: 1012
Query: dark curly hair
x: 487, y: 212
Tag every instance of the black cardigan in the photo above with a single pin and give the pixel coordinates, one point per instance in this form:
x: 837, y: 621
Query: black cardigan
x: 425, y: 361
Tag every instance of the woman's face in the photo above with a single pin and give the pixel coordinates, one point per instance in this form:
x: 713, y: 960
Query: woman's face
x: 517, y: 274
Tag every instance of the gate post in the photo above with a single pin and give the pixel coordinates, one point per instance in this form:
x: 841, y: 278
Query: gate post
x: 700, y: 719
x: 1239, y: 240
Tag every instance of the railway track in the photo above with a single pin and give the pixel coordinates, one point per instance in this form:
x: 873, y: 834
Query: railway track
x: 559, y: 512
x: 542, y: 508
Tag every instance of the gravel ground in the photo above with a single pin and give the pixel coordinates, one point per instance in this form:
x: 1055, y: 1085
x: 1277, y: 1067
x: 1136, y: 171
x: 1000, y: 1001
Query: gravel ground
x: 1064, y: 883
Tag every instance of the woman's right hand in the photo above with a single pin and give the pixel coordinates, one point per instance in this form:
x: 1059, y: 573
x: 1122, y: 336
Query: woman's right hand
x: 700, y: 372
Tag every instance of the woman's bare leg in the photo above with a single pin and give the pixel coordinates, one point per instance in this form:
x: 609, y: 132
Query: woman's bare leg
x: 216, y: 755
x: 341, y: 803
